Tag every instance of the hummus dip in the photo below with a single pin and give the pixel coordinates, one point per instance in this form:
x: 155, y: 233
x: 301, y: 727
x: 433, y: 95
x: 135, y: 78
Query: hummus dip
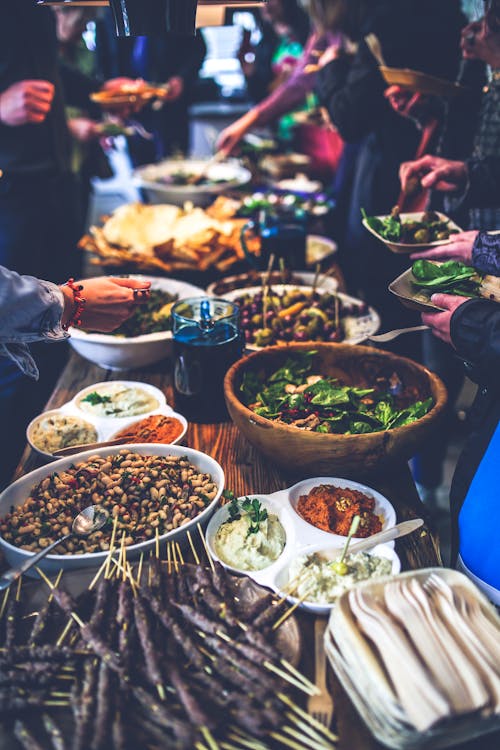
x: 116, y: 400
x: 56, y: 431
x: 237, y: 547
x: 322, y: 585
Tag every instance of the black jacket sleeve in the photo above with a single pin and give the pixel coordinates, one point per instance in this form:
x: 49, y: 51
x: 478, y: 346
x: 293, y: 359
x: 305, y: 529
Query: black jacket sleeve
x: 351, y: 88
x: 475, y: 333
x: 77, y: 89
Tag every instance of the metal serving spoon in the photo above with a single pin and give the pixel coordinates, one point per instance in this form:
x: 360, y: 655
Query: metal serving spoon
x: 91, y: 519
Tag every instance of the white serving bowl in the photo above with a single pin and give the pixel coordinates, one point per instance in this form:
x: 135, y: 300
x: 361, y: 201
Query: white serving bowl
x: 18, y: 492
x: 101, y: 433
x: 281, y: 578
x: 230, y: 173
x: 118, y: 353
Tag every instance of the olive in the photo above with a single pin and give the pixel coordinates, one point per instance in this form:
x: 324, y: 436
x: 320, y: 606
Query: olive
x: 264, y: 337
x: 269, y: 316
x: 276, y: 325
x: 257, y: 320
x: 443, y: 235
x: 421, y: 235
x: 301, y: 334
x: 288, y: 320
x: 254, y: 308
x: 429, y: 216
x: 248, y: 337
x: 336, y: 336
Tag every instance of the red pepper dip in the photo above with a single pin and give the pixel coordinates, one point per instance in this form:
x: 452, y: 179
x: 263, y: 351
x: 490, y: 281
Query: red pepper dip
x: 155, y: 429
x: 333, y: 508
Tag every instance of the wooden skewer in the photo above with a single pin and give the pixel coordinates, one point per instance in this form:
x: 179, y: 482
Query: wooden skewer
x: 65, y: 632
x: 253, y: 744
x: 300, y: 745
x: 4, y: 602
x: 316, y: 277
x: 139, y: 570
x: 18, y: 591
x: 306, y: 739
x: 111, y: 545
x: 204, y: 542
x: 297, y: 674
x: 290, y: 611
x: 174, y: 556
x: 307, y: 717
x: 169, y: 559
x: 288, y: 678
x: 56, y: 583
x: 212, y: 744
x: 193, y: 548
x: 304, y: 727
x: 179, y: 553
x: 157, y: 543
x: 99, y: 573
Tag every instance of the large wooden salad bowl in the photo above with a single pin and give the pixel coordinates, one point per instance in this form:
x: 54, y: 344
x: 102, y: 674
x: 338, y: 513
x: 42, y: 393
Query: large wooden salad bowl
x: 327, y: 454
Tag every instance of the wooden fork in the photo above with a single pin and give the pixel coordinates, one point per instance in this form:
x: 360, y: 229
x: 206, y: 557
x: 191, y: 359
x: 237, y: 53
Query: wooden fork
x: 320, y: 707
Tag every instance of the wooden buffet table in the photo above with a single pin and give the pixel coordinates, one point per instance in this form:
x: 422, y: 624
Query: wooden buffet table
x: 247, y: 472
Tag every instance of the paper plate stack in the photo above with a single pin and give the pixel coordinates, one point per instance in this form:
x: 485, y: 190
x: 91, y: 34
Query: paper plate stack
x: 419, y: 656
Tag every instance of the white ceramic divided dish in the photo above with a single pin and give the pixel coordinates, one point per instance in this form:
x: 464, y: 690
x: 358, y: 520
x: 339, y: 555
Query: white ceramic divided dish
x: 302, y: 536
x: 228, y: 174
x: 405, y: 247
x: 356, y: 330
x: 118, y: 353
x: 281, y: 577
x: 107, y: 427
x: 272, y: 505
x: 18, y: 492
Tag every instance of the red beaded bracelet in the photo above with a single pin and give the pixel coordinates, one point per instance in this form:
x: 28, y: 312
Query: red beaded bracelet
x: 79, y: 302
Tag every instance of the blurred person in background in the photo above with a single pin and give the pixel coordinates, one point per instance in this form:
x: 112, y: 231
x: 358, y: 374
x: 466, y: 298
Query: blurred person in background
x: 39, y: 208
x: 284, y: 29
x: 417, y: 34
x: 174, y: 61
x: 293, y: 92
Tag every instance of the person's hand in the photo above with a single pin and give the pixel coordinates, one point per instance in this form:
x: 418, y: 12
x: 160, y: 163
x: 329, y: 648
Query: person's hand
x: 229, y: 139
x: 174, y: 89
x: 108, y: 301
x: 479, y: 42
x: 459, y: 248
x: 83, y: 129
x: 439, y: 323
x: 434, y: 172
x: 26, y: 102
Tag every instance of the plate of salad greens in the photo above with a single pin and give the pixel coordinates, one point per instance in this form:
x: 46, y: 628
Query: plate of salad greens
x: 407, y: 232
x: 415, y: 286
x: 299, y: 395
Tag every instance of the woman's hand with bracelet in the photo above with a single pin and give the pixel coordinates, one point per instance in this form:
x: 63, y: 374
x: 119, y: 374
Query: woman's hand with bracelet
x: 102, y: 303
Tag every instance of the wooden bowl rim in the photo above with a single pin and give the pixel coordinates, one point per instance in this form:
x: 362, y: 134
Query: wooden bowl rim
x: 437, y: 386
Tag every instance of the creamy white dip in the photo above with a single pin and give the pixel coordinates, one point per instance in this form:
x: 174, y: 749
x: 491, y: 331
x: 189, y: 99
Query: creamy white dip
x: 319, y: 582
x: 56, y: 431
x: 240, y: 549
x: 115, y: 400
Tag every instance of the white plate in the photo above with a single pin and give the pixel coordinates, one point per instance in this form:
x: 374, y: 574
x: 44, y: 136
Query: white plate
x: 107, y: 427
x: 302, y: 536
x: 230, y: 172
x: 18, y: 492
x: 118, y: 353
x: 405, y: 247
x: 356, y: 330
x: 306, y: 278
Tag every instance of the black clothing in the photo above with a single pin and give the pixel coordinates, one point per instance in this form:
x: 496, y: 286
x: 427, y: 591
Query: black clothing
x: 419, y: 34
x: 163, y: 57
x: 475, y: 332
x: 28, y: 50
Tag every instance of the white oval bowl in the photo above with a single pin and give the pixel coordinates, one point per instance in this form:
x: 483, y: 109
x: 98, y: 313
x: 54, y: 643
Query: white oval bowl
x: 281, y: 577
x: 231, y: 173
x: 360, y: 328
x: 118, y: 353
x: 101, y: 434
x: 18, y: 492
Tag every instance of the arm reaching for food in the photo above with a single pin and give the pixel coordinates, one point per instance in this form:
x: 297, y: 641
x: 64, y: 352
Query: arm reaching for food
x: 35, y: 310
x: 440, y: 323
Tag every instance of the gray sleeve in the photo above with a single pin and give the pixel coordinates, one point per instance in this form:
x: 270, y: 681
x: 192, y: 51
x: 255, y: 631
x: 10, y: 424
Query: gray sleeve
x: 30, y: 310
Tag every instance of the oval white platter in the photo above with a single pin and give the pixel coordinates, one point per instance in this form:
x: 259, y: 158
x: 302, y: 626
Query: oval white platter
x: 355, y: 329
x: 107, y: 427
x: 301, y: 536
